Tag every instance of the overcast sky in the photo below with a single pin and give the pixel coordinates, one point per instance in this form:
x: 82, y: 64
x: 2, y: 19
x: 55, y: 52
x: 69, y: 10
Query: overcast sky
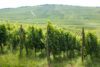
x: 18, y: 3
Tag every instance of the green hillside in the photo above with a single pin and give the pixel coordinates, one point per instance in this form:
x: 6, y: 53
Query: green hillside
x: 62, y: 14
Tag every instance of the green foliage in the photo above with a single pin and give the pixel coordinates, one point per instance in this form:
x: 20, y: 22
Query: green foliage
x: 35, y: 39
x: 60, y: 41
x: 91, y: 44
x: 14, y: 40
x: 3, y: 36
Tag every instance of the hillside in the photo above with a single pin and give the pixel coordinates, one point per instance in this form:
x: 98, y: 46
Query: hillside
x: 62, y: 14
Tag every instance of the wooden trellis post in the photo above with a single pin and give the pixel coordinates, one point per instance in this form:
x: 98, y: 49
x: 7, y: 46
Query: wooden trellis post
x: 47, y: 49
x: 48, y: 54
x: 83, y: 43
x: 22, y: 38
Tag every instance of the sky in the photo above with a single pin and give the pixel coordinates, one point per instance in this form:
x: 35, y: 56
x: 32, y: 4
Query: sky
x: 19, y: 3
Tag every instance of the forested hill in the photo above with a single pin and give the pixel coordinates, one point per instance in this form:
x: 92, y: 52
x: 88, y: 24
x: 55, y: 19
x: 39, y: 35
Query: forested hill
x: 55, y: 13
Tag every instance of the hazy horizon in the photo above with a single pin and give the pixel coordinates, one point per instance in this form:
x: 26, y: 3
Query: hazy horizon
x: 20, y: 3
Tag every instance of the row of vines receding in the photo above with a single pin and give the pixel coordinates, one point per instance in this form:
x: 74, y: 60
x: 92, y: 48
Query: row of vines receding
x: 55, y: 43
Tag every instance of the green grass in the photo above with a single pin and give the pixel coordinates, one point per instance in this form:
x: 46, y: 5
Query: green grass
x: 10, y: 59
x: 13, y: 60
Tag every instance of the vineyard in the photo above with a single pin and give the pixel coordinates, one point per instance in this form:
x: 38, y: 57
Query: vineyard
x: 31, y: 45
